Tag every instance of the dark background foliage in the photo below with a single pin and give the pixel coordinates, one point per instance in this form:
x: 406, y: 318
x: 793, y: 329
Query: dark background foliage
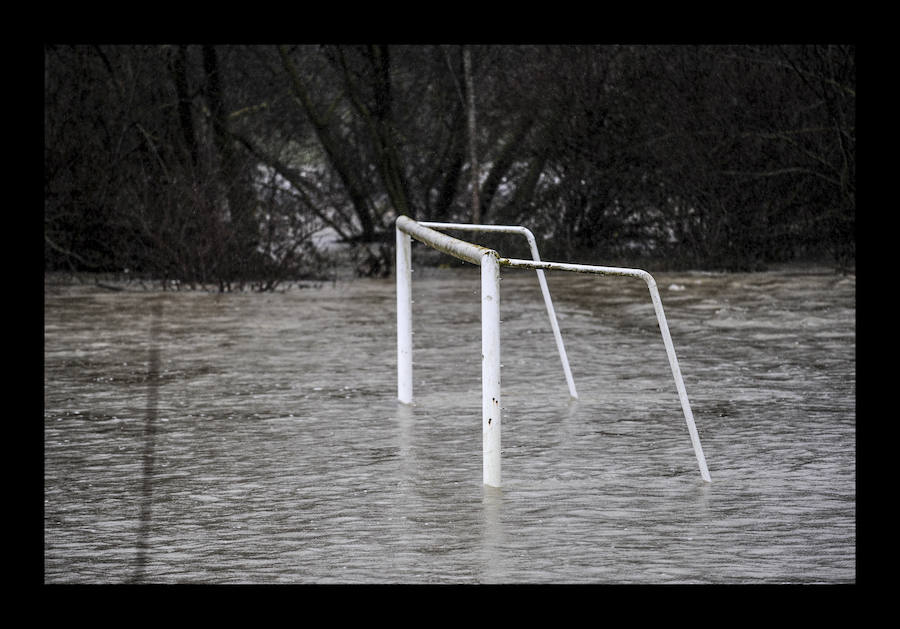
x: 233, y: 165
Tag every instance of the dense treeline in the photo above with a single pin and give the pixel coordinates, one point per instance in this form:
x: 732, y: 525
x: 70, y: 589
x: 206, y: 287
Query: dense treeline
x: 237, y: 164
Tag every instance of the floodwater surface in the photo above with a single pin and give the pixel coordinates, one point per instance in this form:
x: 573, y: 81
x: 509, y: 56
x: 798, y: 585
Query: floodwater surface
x: 198, y: 437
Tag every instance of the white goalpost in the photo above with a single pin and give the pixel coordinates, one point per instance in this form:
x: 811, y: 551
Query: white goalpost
x: 490, y: 262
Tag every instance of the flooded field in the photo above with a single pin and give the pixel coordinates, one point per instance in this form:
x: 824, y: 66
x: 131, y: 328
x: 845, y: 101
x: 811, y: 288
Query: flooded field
x: 197, y: 437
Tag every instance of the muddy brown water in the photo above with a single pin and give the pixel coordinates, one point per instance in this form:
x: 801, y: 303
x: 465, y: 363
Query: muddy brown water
x: 197, y: 437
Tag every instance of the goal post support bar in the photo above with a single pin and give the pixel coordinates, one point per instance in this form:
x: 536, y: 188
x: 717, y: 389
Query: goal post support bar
x: 663, y: 328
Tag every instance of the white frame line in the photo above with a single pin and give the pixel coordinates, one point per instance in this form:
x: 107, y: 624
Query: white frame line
x: 490, y: 263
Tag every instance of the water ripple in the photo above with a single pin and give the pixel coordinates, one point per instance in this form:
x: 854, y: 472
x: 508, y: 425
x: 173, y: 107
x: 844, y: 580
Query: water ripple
x: 203, y: 438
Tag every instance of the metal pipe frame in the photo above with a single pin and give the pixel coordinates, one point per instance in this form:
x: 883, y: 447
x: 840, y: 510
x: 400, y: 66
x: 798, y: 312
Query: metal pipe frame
x: 490, y: 263
x: 488, y: 260
x: 548, y: 303
x: 663, y: 328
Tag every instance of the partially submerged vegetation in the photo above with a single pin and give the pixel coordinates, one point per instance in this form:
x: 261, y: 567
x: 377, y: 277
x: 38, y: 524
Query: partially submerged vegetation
x: 252, y: 167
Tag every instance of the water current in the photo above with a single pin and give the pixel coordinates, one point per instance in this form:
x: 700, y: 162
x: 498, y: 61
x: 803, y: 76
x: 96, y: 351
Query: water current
x: 199, y: 437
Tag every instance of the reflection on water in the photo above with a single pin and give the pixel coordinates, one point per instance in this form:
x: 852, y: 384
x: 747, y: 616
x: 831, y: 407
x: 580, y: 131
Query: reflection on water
x: 149, y: 443
x: 245, y: 438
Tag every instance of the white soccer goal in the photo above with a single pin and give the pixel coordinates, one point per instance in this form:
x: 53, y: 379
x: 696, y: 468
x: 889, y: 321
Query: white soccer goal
x: 490, y: 262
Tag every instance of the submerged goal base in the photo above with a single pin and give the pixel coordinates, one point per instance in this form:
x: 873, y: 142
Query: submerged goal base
x: 490, y: 262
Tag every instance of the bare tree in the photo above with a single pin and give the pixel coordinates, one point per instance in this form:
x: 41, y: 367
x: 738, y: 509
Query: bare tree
x: 221, y: 163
